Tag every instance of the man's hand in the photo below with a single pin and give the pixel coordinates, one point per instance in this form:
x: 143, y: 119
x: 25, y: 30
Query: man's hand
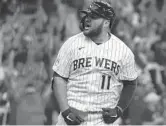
x: 111, y: 115
x: 71, y: 118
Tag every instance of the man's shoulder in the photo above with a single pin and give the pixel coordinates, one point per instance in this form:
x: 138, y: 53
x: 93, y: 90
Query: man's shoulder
x: 121, y: 43
x: 76, y: 37
x: 74, y: 41
x: 118, y: 40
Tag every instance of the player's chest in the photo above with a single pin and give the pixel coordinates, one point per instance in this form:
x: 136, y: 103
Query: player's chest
x: 93, y: 52
x: 94, y: 59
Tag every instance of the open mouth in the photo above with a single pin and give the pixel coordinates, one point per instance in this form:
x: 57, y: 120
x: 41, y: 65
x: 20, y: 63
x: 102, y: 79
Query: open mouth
x: 86, y: 26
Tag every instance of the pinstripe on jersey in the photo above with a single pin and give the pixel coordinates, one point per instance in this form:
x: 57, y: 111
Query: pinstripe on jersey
x: 94, y: 71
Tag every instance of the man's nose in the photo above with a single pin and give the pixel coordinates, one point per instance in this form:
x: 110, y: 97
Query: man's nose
x: 88, y: 18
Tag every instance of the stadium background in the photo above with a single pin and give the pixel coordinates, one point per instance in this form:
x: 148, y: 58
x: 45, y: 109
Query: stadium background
x: 31, y: 33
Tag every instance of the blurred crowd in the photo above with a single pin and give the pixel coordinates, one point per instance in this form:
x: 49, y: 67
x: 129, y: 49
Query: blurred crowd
x: 31, y: 33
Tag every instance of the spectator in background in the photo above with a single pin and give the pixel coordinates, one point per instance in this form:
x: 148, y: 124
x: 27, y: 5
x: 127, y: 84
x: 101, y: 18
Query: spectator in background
x: 68, y: 14
x: 4, y: 99
x: 137, y: 106
x: 152, y: 114
x: 30, y: 110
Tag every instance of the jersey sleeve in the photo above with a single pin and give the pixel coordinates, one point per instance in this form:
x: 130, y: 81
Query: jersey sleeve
x: 129, y: 69
x: 63, y: 60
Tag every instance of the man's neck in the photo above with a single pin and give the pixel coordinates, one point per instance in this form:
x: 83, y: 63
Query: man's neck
x: 101, y: 38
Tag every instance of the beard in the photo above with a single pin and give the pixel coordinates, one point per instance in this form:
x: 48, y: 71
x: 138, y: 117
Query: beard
x: 93, y: 32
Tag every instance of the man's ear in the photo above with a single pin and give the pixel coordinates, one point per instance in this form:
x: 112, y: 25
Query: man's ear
x: 106, y: 23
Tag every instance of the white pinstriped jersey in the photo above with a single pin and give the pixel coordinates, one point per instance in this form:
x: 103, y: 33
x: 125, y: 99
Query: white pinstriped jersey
x: 94, y: 71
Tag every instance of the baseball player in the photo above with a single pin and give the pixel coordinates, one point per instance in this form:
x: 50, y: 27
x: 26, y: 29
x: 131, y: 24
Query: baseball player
x: 94, y: 73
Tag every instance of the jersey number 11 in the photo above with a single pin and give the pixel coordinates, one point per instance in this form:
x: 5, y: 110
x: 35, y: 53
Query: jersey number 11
x: 104, y: 82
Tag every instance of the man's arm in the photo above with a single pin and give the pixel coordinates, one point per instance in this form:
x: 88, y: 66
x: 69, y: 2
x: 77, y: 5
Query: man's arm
x: 111, y: 115
x: 59, y: 85
x: 127, y: 94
